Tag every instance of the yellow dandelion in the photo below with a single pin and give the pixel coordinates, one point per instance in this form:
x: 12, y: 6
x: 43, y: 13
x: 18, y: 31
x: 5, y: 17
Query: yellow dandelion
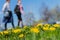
x: 46, y: 25
x: 5, y: 32
x: 56, y: 25
x: 52, y: 28
x: 34, y: 30
x: 1, y: 33
x: 39, y: 25
x: 21, y: 35
x: 45, y: 28
x: 16, y: 30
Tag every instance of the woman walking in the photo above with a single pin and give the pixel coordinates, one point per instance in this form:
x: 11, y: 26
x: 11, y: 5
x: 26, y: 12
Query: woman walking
x: 19, y: 10
x: 8, y: 18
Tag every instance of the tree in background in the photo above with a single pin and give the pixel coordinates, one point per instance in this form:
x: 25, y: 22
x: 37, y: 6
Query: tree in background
x: 58, y: 13
x: 45, y: 14
x: 29, y: 18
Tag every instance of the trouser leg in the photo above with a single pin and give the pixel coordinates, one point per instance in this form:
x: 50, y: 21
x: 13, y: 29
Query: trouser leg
x: 13, y: 24
x: 5, y: 26
x: 18, y: 22
x: 21, y: 23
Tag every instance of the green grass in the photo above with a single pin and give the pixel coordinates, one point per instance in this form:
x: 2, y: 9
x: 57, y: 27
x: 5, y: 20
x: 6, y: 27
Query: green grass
x: 42, y: 35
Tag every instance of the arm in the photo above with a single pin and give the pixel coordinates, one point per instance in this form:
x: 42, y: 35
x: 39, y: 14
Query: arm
x: 4, y: 6
x: 21, y: 9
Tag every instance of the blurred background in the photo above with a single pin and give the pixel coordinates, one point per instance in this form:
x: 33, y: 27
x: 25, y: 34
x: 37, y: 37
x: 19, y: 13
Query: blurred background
x: 36, y: 11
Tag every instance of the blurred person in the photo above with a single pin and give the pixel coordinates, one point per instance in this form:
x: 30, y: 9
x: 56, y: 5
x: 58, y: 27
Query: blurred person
x: 18, y: 11
x: 8, y: 17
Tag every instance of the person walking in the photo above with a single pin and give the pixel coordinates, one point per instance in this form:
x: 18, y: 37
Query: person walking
x: 8, y: 17
x: 18, y: 11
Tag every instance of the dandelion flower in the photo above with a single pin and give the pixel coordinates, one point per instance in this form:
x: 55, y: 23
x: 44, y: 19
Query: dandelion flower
x: 46, y: 25
x: 1, y: 33
x: 5, y: 32
x: 21, y: 35
x: 45, y: 28
x: 34, y: 30
x: 52, y: 28
x: 16, y: 30
x: 39, y: 25
x: 56, y: 25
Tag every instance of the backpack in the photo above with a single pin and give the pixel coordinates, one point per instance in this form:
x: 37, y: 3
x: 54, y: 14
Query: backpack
x: 17, y: 9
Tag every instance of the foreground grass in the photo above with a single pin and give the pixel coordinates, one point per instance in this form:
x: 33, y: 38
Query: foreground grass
x: 38, y: 32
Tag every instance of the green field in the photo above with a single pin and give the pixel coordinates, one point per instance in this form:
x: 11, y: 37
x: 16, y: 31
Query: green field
x: 37, y: 32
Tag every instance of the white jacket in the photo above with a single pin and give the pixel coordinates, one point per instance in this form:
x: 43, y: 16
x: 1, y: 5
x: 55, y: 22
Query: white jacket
x: 5, y: 8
